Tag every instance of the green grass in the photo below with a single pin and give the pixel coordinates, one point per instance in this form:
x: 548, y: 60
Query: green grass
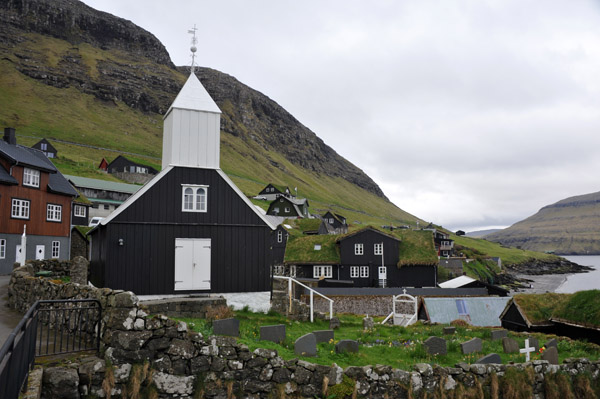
x: 581, y: 307
x: 399, y: 347
x: 416, y: 247
x: 539, y: 307
x: 302, y: 249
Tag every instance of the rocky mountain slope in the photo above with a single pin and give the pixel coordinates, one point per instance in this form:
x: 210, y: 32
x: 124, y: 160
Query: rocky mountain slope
x: 107, y: 82
x: 568, y: 227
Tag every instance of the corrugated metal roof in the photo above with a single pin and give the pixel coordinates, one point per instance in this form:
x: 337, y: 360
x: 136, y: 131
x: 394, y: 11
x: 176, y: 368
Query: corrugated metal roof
x: 456, y: 282
x: 98, y: 184
x: 26, y: 156
x: 479, y: 311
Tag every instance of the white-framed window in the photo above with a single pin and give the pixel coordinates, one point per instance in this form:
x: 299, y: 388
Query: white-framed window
x: 2, y: 248
x: 278, y: 270
x: 364, y: 271
x: 79, y: 211
x: 54, y: 213
x: 194, y: 198
x: 287, y: 209
x: 378, y: 248
x: 331, y: 221
x: 276, y: 210
x: 44, y: 147
x: 354, y: 271
x: 20, y: 209
x: 280, y: 236
x: 55, y: 249
x: 293, y: 271
x: 359, y: 249
x: 31, y: 177
x: 325, y: 271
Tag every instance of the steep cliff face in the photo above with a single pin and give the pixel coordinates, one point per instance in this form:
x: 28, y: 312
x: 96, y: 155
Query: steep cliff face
x: 568, y: 227
x: 66, y: 44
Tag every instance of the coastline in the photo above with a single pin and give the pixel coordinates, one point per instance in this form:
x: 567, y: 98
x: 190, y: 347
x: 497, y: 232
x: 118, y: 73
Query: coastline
x: 540, y: 283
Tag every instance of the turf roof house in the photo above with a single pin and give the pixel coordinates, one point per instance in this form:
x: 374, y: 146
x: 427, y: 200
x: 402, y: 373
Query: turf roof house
x: 272, y: 192
x: 365, y: 258
x: 333, y: 224
x: 35, y: 194
x: 289, y: 208
x: 443, y: 244
x: 189, y: 229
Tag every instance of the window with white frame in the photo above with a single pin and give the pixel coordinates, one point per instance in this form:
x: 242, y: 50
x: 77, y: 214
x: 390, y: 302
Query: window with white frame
x: 364, y: 271
x: 55, y: 249
x: 354, y: 271
x: 280, y: 236
x: 194, y: 198
x: 31, y: 177
x: 378, y: 248
x: 293, y: 271
x: 44, y: 147
x: 54, y: 213
x: 359, y: 249
x: 287, y: 209
x: 2, y: 248
x: 324, y: 271
x: 79, y: 211
x: 331, y: 221
x: 278, y: 270
x: 20, y: 209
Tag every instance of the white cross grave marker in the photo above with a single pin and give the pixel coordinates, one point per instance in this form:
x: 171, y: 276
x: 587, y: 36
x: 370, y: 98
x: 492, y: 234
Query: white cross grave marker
x: 527, y: 350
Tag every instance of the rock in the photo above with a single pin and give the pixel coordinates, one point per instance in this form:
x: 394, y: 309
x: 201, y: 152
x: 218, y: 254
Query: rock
x: 229, y: 327
x: 172, y: 384
x: 550, y: 354
x: 499, y: 334
x: 473, y: 345
x: 79, y: 270
x: 183, y: 348
x: 60, y: 382
x: 492, y: 358
x: 449, y: 330
x: 435, y: 346
x: 274, y: 333
x: 346, y: 345
x: 323, y: 335
x: 130, y: 340
x: 510, y: 345
x: 306, y: 345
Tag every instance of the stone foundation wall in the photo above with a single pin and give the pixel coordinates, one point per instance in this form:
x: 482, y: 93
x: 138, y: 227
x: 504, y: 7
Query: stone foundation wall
x: 159, y: 357
x: 369, y: 304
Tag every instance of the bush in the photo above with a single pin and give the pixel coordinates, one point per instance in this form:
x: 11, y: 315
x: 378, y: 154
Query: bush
x: 219, y: 313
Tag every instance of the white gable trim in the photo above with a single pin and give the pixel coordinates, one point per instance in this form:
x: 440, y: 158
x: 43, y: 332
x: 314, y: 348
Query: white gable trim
x: 245, y: 199
x: 137, y: 195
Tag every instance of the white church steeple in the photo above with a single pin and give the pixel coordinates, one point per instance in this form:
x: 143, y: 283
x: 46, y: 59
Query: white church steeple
x: 192, y: 127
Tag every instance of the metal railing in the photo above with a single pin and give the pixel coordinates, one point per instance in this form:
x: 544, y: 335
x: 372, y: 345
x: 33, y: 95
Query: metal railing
x: 312, y: 292
x: 48, y: 328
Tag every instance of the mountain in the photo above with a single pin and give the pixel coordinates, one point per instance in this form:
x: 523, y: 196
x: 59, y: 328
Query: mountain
x: 481, y: 233
x: 568, y: 227
x: 76, y: 75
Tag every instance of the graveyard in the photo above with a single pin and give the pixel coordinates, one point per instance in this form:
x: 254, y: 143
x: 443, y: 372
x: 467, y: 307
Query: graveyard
x: 360, y: 342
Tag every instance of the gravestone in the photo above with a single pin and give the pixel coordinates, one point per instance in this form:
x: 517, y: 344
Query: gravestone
x: 306, y: 345
x: 510, y: 345
x: 551, y: 342
x: 368, y: 323
x: 274, y: 333
x: 527, y: 350
x: 435, y: 346
x: 551, y: 355
x: 492, y: 358
x: 499, y: 334
x: 334, y: 323
x: 230, y: 327
x: 346, y: 345
x: 473, y: 345
x: 323, y: 335
x: 449, y: 330
x: 534, y: 343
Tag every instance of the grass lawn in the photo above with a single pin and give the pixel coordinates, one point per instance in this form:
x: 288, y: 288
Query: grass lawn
x: 399, y: 347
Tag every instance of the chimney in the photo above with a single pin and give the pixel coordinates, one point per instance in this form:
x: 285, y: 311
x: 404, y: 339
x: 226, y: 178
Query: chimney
x: 9, y: 135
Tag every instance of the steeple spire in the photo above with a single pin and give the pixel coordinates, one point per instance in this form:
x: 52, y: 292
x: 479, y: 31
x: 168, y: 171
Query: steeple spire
x: 193, y: 48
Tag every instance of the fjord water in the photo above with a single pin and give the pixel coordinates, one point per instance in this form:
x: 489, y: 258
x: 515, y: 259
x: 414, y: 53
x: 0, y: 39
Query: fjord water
x: 582, y: 281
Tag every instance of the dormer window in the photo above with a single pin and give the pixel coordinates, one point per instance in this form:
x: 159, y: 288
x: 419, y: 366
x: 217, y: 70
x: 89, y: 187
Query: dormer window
x: 31, y: 177
x: 194, y: 198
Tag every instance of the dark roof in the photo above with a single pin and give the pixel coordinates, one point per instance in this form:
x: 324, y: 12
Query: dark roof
x: 5, y: 177
x: 26, y: 156
x: 365, y: 229
x: 427, y: 291
x: 57, y: 182
x: 38, y: 146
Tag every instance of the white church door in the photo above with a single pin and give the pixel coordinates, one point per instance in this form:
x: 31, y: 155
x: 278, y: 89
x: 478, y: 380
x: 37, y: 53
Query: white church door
x: 192, y: 264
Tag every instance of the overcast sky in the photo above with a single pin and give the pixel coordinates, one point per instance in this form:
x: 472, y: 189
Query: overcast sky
x: 470, y: 114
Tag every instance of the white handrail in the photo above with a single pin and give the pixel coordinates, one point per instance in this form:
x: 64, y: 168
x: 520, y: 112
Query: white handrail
x: 291, y: 280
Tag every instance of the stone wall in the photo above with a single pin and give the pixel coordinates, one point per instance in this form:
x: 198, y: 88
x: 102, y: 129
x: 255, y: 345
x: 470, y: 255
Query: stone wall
x: 372, y: 305
x: 159, y: 357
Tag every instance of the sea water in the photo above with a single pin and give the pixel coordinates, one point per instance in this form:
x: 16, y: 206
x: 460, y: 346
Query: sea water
x: 582, y: 281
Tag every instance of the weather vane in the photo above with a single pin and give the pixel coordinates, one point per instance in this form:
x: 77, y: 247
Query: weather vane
x: 193, y: 49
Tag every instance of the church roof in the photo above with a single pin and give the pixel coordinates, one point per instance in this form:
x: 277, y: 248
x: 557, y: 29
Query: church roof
x: 193, y: 96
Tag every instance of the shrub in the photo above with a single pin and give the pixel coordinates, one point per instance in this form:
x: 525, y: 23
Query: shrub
x: 219, y: 312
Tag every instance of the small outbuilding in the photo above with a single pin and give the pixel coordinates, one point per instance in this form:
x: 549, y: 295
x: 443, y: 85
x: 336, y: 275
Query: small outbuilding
x: 477, y: 311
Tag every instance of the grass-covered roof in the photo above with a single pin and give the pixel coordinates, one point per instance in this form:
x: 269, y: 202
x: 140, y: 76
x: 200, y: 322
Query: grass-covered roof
x: 416, y: 247
x: 302, y: 250
x: 582, y: 307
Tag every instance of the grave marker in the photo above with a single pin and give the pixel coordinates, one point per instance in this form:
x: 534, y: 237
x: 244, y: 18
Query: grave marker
x: 527, y: 350
x: 435, y: 346
x: 274, y: 333
x: 449, y: 330
x: 306, y: 345
x: 492, y: 358
x: 551, y: 355
x: 323, y: 335
x: 230, y: 327
x: 346, y: 345
x: 499, y: 334
x: 473, y: 345
x: 510, y: 345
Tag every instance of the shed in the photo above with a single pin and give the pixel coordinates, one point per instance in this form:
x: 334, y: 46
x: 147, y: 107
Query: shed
x: 189, y: 229
x: 477, y: 311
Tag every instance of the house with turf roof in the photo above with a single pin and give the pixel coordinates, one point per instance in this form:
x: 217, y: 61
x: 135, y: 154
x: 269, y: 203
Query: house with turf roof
x: 272, y: 192
x: 364, y: 258
x: 289, y: 208
x: 190, y: 229
x: 332, y: 223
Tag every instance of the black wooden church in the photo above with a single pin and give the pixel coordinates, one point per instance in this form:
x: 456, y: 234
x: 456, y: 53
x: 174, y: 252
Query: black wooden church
x: 189, y: 229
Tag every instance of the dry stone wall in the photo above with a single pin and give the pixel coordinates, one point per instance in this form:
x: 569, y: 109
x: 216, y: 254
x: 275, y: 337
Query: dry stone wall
x: 154, y: 356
